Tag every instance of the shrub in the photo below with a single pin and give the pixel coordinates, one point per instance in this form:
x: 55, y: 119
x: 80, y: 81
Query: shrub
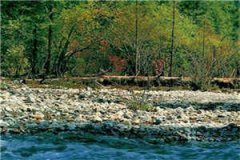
x: 136, y: 105
x: 14, y: 62
x: 139, y: 102
x: 158, y: 66
x: 117, y: 62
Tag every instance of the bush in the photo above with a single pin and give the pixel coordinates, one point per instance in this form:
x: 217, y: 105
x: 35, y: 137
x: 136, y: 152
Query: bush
x: 3, y: 85
x: 76, y: 67
x: 118, y: 63
x: 14, y: 62
x: 136, y: 105
x: 139, y: 102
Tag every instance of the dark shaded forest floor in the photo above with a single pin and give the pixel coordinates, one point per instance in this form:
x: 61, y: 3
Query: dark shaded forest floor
x: 139, y: 83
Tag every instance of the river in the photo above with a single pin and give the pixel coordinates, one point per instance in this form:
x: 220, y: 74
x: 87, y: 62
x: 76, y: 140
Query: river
x: 88, y: 147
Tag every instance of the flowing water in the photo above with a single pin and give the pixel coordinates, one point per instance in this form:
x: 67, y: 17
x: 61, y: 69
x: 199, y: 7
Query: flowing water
x: 68, y: 146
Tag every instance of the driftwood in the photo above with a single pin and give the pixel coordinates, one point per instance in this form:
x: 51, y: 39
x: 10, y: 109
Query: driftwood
x: 227, y: 82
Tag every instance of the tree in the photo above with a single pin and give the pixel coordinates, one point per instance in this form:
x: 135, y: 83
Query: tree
x: 191, y: 38
x: 172, y: 39
x: 50, y: 37
x: 138, y: 56
x: 23, y: 21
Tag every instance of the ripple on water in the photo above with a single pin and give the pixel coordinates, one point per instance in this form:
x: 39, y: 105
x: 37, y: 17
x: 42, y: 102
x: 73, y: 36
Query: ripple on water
x: 68, y: 146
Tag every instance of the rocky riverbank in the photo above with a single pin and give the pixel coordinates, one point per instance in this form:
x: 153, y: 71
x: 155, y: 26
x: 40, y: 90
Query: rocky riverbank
x: 172, y: 115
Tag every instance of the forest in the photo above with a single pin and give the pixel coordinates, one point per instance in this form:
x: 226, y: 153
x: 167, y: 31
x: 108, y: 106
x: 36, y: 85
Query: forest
x: 197, y: 39
x: 120, y: 79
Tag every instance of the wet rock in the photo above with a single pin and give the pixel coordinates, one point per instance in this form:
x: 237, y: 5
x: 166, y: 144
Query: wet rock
x: 72, y: 126
x: 31, y: 125
x: 57, y: 126
x: 158, y: 121
x: 44, y: 124
x: 122, y: 127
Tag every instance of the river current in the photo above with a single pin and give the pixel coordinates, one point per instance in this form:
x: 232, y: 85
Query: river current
x: 89, y: 147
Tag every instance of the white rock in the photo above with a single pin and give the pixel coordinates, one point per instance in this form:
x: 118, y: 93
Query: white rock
x: 31, y: 98
x: 136, y: 121
x: 128, y: 114
x: 3, y: 124
x: 8, y: 109
x: 96, y: 119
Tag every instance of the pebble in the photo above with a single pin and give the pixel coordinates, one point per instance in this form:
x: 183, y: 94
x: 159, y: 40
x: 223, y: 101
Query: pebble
x: 136, y: 121
x: 38, y: 116
x: 71, y: 107
x: 72, y: 126
x: 8, y: 109
x: 3, y: 124
x: 158, y: 121
x: 31, y: 98
x: 96, y: 119
x: 128, y: 114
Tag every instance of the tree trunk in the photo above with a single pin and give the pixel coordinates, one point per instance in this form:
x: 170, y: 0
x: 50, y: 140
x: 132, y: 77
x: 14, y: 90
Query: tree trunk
x: 50, y: 33
x: 172, y: 39
x: 137, y: 58
x: 61, y: 60
x: 34, y: 51
x: 203, y: 40
x: 238, y: 70
x: 214, y: 60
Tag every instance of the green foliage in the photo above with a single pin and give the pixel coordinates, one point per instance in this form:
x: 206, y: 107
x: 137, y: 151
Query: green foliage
x: 15, y: 62
x: 76, y: 67
x: 3, y: 85
x: 135, y: 105
x: 85, y: 33
x: 139, y: 102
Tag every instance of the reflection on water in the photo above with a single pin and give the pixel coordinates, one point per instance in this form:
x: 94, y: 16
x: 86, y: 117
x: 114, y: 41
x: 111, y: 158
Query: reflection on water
x: 72, y: 146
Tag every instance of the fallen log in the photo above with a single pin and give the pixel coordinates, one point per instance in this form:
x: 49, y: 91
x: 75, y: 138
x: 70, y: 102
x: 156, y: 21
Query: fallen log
x: 227, y: 82
x: 143, y: 81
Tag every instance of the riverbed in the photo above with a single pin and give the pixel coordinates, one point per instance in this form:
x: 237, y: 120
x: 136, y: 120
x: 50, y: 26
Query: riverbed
x: 148, y: 114
x: 114, y: 123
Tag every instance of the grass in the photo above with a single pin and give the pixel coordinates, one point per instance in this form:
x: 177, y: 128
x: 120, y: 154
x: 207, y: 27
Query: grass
x: 139, y: 102
x: 135, y: 105
x: 3, y: 85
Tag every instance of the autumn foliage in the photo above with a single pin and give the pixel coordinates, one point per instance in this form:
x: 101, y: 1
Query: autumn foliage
x: 158, y: 66
x: 118, y: 63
